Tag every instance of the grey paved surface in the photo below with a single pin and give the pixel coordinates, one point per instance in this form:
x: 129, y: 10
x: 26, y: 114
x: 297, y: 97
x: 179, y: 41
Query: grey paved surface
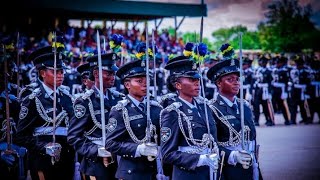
x: 289, y: 152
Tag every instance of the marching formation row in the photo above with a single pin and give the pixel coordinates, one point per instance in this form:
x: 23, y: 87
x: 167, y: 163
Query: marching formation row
x: 193, y: 124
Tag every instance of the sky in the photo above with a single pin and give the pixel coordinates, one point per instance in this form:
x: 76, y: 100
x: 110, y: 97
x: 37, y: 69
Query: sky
x: 224, y: 14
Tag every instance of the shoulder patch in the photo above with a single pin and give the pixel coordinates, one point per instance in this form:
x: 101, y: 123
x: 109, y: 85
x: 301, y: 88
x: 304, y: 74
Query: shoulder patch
x: 79, y: 111
x: 87, y: 94
x: 117, y: 93
x: 155, y: 103
x: 23, y: 112
x: 168, y: 96
x: 201, y: 99
x: 165, y: 133
x: 111, y: 126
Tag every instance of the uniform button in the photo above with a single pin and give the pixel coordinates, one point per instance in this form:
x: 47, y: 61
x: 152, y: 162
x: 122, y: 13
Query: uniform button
x: 232, y: 124
x: 139, y: 125
x: 192, y: 124
x: 129, y: 171
x: 131, y: 156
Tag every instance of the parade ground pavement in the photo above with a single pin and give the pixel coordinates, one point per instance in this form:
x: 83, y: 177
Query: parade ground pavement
x: 289, y: 152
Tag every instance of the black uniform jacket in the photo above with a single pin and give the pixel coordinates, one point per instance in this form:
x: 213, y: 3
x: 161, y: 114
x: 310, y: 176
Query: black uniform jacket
x: 129, y: 128
x: 173, y: 137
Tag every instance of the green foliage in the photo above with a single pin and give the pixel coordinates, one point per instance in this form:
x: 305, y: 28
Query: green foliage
x: 250, y: 39
x: 288, y: 28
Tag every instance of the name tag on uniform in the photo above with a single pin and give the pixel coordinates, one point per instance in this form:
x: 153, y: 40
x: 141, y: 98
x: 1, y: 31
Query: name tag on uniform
x: 99, y: 112
x: 229, y: 117
x: 131, y: 118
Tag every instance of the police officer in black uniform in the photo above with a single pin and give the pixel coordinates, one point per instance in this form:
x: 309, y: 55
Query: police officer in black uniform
x: 85, y: 131
x: 127, y: 132
x: 248, y: 79
x: 86, y: 82
x: 301, y: 82
x: 280, y: 83
x: 314, y: 101
x: 48, y: 158
x: 262, y: 91
x: 187, y: 136
x: 159, y: 75
x: 28, y: 89
x: 238, y: 163
x: 72, y: 77
x: 211, y: 89
x: 12, y: 157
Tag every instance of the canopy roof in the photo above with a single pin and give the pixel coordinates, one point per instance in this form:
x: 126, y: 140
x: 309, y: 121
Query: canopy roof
x: 109, y: 9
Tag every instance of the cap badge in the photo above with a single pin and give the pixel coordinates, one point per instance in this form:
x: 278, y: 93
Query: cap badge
x: 232, y: 62
x: 194, y: 66
x: 143, y: 63
x: 113, y: 57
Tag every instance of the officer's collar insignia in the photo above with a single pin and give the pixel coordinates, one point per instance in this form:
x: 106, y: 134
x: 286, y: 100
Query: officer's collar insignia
x: 111, y: 126
x: 165, y: 133
x: 79, y: 111
x: 46, y: 96
x: 189, y: 111
x: 23, y: 112
x: 221, y: 103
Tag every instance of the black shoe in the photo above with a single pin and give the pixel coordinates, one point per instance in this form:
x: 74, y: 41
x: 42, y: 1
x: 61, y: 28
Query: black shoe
x: 293, y: 122
x: 269, y: 123
x: 302, y: 121
x: 287, y: 123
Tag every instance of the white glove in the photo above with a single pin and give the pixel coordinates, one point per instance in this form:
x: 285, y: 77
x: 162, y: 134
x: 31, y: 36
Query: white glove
x: 145, y: 150
x: 243, y: 158
x: 211, y: 160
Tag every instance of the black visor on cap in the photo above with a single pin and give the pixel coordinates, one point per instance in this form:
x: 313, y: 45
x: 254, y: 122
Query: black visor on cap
x: 190, y: 74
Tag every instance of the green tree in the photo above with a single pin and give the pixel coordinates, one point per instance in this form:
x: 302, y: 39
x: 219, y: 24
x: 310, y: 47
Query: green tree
x: 288, y: 27
x: 250, y: 39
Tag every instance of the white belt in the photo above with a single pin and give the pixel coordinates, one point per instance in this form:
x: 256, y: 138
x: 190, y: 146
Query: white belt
x: 263, y: 85
x: 189, y: 149
x: 300, y: 86
x: 303, y: 89
x: 250, y: 146
x: 60, y: 131
x: 317, y: 87
x: 279, y: 85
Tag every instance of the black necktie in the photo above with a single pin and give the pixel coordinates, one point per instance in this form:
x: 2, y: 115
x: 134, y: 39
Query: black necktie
x: 142, y: 107
x: 235, y: 107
